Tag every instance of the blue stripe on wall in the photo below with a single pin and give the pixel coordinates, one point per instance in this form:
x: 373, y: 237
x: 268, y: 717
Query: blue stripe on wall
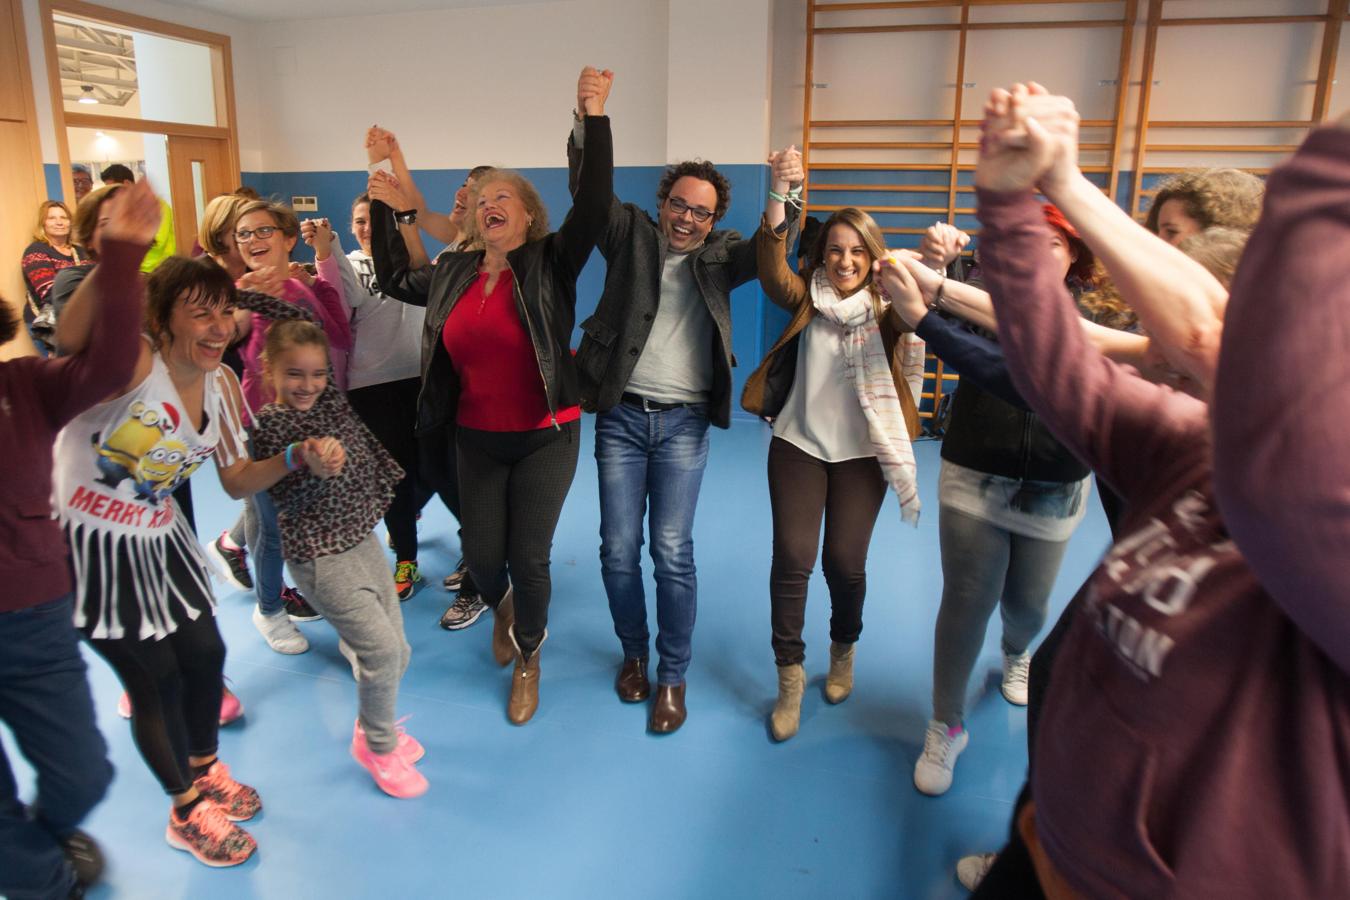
x: 52, y: 173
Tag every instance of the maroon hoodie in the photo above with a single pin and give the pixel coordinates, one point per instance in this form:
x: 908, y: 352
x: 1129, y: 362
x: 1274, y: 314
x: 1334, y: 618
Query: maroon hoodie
x: 1195, y: 740
x: 37, y: 398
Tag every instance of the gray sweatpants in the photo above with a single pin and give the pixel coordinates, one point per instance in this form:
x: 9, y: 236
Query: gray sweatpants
x: 355, y: 592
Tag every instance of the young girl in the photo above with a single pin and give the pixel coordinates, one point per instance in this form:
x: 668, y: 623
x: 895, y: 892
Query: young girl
x: 327, y: 540
x: 144, y: 597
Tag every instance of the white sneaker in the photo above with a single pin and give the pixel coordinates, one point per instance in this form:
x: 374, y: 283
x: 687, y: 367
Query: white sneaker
x: 280, y: 632
x: 933, y: 771
x: 970, y: 870
x: 1016, y: 670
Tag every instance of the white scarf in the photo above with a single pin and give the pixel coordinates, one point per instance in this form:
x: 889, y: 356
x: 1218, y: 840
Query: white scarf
x: 869, y: 369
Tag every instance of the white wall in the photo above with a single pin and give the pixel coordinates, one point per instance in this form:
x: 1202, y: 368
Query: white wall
x: 460, y: 87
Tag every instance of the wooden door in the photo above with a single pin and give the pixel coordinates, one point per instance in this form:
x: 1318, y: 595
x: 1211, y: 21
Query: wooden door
x: 199, y: 171
x: 20, y: 166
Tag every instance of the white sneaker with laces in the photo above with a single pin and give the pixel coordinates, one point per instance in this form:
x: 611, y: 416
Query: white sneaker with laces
x: 280, y: 632
x: 970, y: 870
x: 933, y: 772
x: 1016, y: 671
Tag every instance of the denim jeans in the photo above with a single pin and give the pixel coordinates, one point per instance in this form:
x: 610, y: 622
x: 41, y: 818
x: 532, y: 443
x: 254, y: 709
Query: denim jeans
x: 258, y: 530
x: 45, y: 701
x: 661, y: 456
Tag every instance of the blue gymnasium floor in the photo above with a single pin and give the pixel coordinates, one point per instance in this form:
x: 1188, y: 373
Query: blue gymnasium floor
x: 581, y: 802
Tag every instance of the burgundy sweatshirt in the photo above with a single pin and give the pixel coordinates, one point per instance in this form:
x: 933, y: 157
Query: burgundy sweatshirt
x: 37, y: 398
x: 1195, y: 740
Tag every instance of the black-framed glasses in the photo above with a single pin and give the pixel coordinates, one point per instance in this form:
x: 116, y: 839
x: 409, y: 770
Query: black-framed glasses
x: 262, y: 233
x: 679, y: 208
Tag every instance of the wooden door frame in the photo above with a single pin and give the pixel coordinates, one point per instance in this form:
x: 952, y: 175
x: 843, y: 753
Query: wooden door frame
x: 222, y: 79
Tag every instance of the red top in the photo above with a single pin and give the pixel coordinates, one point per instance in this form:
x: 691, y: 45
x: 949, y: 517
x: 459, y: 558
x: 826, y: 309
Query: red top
x: 501, y: 388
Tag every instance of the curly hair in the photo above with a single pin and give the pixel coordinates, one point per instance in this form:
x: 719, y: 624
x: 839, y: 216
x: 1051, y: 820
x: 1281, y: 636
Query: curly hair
x: 1228, y: 198
x: 1218, y: 250
x: 702, y: 170
x: 534, y: 205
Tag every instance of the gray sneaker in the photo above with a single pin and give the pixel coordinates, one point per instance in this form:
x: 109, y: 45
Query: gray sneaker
x: 466, y: 609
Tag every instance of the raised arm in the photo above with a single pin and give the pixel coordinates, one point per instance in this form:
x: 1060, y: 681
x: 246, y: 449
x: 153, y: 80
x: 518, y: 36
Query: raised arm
x: 381, y: 144
x: 1122, y: 426
x: 112, y: 297
x: 1282, y: 432
x: 1179, y: 302
x: 395, y: 270
x: 589, y: 216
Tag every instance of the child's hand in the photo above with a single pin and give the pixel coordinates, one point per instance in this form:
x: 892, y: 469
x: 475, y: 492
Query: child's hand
x: 324, y: 456
x: 301, y: 274
x: 270, y: 280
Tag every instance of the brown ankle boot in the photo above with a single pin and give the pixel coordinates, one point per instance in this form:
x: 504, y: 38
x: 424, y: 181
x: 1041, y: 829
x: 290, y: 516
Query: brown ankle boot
x: 839, y: 683
x: 524, y: 682
x: 503, y: 617
x: 787, y: 712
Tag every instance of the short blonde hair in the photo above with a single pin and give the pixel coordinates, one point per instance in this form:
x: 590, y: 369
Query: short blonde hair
x: 281, y: 214
x: 534, y: 204
x: 218, y: 221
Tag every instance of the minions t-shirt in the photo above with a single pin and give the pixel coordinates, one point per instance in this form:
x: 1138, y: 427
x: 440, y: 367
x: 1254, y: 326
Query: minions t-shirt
x: 136, y: 559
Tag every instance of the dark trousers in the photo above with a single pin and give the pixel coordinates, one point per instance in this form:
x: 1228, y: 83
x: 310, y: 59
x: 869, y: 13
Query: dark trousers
x: 175, y: 685
x: 45, y: 701
x: 512, y: 488
x: 1013, y: 877
x: 802, y: 491
x: 389, y: 410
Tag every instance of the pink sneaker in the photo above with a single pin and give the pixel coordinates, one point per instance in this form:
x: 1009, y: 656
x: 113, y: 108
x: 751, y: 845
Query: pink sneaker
x: 409, y: 747
x: 231, y: 707
x: 393, y: 773
x: 238, y: 801
x: 211, y: 837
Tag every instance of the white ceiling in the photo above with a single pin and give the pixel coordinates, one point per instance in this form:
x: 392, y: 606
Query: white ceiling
x: 287, y: 10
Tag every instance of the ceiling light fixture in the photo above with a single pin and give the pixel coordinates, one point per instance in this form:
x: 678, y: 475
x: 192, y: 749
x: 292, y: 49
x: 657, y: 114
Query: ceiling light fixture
x: 88, y: 96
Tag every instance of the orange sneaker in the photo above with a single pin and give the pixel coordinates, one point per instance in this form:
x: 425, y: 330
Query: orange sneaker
x: 238, y: 802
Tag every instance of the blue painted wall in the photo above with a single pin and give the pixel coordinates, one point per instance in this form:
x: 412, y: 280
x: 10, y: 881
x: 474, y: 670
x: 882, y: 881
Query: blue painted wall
x: 52, y: 172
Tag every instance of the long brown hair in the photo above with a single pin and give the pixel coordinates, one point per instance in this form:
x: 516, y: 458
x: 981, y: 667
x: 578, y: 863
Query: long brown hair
x: 872, y: 239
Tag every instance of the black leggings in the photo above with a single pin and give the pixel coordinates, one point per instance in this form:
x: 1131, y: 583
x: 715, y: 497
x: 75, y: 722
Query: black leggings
x: 802, y: 490
x: 175, y: 689
x: 389, y: 410
x: 512, y: 488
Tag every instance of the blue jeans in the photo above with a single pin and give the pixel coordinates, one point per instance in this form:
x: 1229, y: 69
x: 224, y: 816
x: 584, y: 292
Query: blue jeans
x: 258, y: 530
x: 661, y: 456
x: 45, y: 701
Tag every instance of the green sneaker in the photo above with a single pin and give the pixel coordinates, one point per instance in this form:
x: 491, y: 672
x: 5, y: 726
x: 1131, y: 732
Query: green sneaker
x: 405, y: 576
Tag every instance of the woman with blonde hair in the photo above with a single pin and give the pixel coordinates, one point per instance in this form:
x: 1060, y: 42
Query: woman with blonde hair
x: 51, y: 251
x: 842, y: 385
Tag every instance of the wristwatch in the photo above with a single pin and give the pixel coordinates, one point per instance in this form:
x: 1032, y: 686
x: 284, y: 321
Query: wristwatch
x: 406, y: 217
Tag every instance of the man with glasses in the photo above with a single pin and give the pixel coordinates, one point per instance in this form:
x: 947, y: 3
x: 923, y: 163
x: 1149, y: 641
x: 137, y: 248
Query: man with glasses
x: 655, y: 366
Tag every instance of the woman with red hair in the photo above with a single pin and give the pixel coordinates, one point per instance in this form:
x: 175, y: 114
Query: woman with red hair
x: 1010, y: 496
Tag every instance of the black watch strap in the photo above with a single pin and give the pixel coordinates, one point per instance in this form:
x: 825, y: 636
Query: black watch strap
x: 406, y: 217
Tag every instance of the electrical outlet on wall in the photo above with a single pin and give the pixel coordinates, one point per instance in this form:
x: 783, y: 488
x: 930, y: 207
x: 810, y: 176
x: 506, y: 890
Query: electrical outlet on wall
x: 305, y: 204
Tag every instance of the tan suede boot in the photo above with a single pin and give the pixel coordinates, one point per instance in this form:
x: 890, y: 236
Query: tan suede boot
x: 503, y: 617
x: 524, y: 683
x: 839, y: 683
x: 787, y: 712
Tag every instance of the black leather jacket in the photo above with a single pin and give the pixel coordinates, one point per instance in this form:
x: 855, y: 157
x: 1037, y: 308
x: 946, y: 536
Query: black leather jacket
x: 545, y: 282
